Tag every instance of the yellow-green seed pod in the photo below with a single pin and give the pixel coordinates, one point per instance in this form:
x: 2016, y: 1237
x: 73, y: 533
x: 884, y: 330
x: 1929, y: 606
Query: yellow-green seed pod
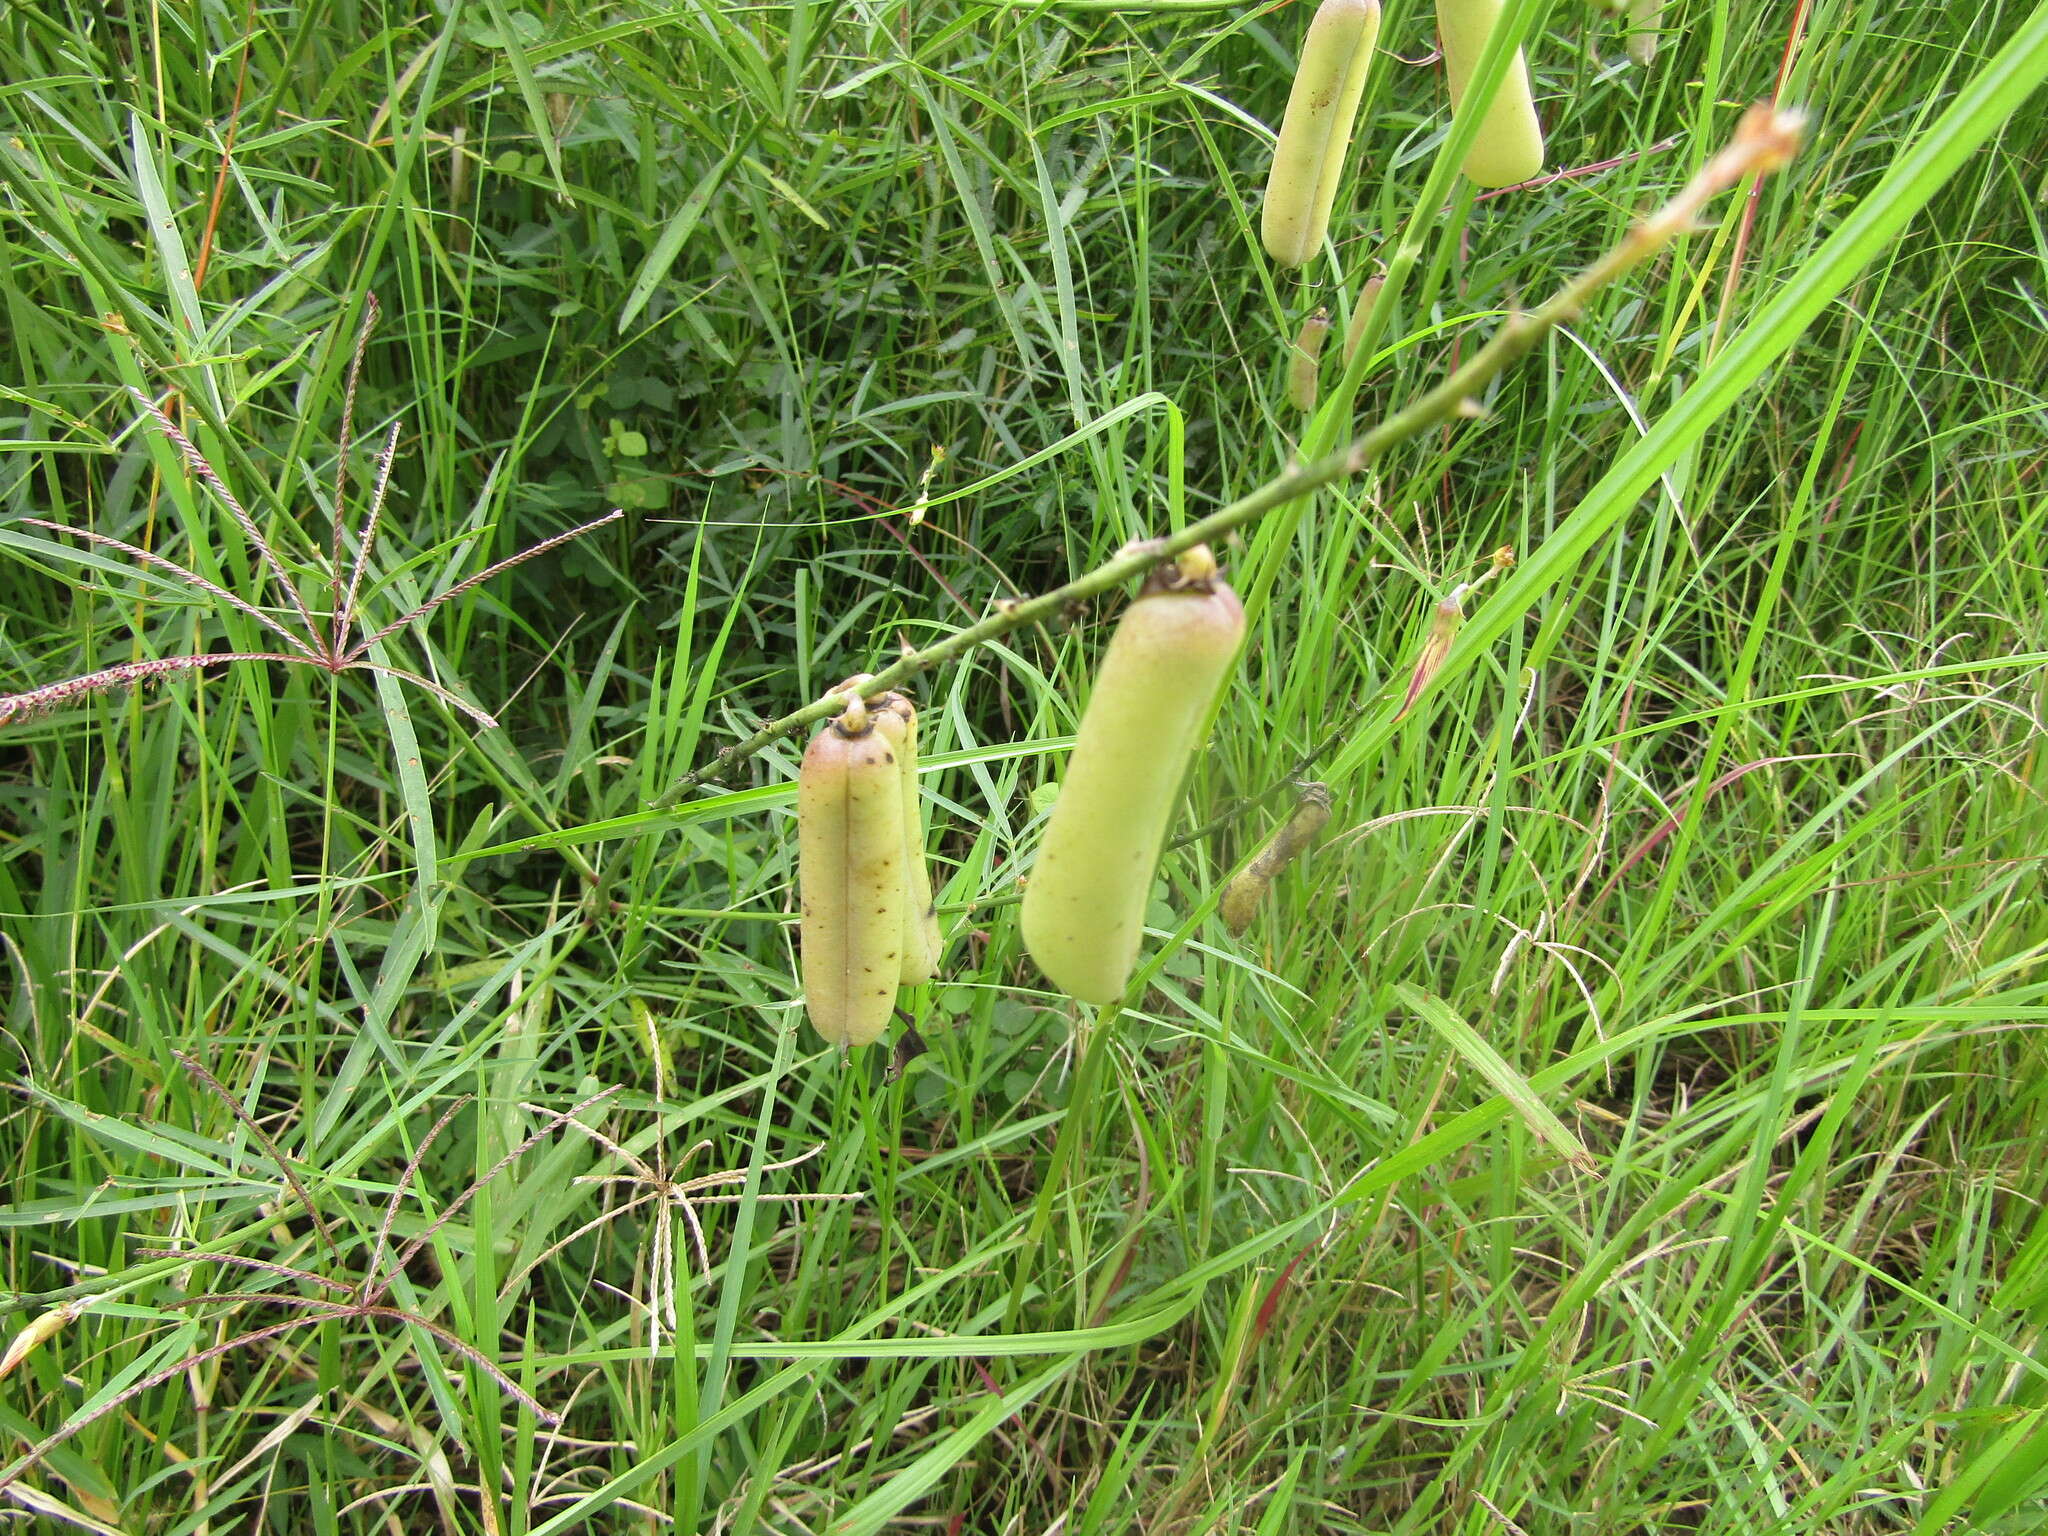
x: 1084, y: 905
x: 850, y: 878
x: 1645, y: 17
x: 1304, y: 362
x: 1241, y: 898
x: 1509, y: 148
x: 1361, y: 315
x: 1315, y: 132
x: 896, y: 718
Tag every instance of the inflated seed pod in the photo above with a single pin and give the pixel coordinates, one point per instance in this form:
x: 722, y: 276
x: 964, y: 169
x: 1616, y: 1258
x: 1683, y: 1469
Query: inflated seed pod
x: 1315, y: 132
x: 896, y: 718
x: 1304, y: 362
x: 1645, y: 17
x: 1084, y: 904
x: 1361, y: 315
x: 1509, y: 148
x: 850, y: 878
x: 1241, y: 898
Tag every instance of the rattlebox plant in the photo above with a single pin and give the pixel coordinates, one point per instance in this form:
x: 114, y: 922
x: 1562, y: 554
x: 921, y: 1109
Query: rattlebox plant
x: 430, y: 1010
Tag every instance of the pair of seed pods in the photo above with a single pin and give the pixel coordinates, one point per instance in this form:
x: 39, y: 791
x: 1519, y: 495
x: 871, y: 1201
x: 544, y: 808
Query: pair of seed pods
x: 868, y: 924
x: 1315, y: 132
x: 867, y: 919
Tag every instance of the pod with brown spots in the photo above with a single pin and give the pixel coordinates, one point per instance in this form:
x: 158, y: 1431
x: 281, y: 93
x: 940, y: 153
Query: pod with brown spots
x: 1084, y: 904
x: 1315, y: 132
x: 896, y: 718
x: 850, y: 877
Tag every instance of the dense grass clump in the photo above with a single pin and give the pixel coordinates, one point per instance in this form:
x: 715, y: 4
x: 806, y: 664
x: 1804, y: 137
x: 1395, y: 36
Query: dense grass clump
x: 1626, y: 1118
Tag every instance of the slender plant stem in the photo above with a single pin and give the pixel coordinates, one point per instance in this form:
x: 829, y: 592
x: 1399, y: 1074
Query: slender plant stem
x: 1764, y: 140
x: 1090, y: 1047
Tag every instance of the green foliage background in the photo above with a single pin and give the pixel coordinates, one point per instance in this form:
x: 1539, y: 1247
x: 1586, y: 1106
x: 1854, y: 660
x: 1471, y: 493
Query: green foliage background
x: 1721, y: 838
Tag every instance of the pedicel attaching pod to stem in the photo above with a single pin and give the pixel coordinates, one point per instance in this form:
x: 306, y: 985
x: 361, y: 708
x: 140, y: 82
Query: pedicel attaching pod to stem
x: 1509, y: 148
x: 850, y: 878
x: 1084, y: 903
x: 1315, y: 132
